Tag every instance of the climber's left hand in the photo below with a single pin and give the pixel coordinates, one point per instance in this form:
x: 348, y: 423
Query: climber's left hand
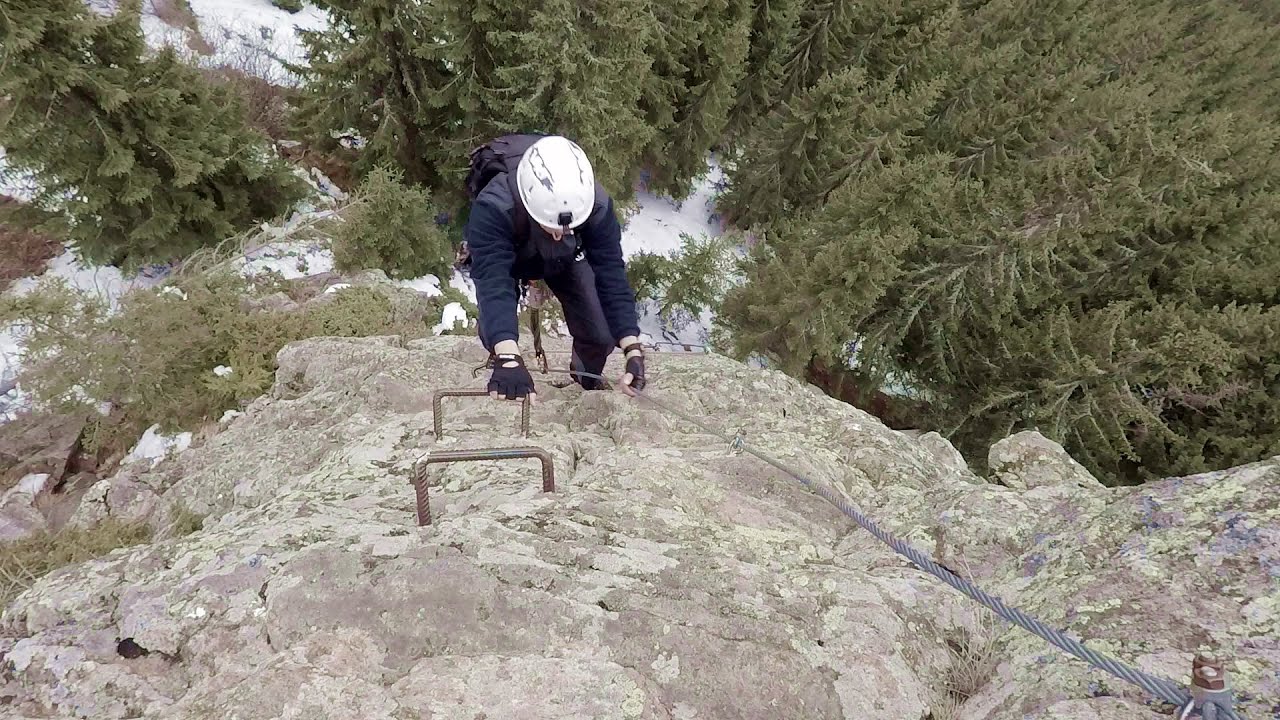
x: 633, y: 378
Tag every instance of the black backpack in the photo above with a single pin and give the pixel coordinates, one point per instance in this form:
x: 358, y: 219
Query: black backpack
x: 502, y: 154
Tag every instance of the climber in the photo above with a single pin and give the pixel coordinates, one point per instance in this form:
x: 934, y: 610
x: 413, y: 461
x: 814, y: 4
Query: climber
x: 574, y: 244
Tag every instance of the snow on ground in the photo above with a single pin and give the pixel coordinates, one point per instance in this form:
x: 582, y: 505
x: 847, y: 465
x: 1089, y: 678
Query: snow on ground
x: 291, y: 259
x: 247, y: 20
x: 453, y: 314
x: 427, y: 284
x: 656, y: 227
x: 658, y: 223
x: 250, y: 35
x: 107, y: 283
x: 154, y: 447
x: 19, y: 186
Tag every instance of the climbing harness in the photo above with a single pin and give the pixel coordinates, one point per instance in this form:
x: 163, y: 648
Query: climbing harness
x: 1210, y: 696
x: 535, y: 294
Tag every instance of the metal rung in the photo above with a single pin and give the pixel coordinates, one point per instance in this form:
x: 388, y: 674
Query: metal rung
x: 447, y: 456
x: 437, y: 416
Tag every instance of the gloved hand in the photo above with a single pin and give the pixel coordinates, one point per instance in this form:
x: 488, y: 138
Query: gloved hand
x: 510, y: 378
x: 633, y: 378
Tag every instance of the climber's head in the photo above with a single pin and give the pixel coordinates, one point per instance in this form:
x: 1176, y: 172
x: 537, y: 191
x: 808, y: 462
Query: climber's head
x: 557, y: 185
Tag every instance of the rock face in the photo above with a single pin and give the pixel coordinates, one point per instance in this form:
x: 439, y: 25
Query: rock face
x: 37, y: 454
x: 668, y: 577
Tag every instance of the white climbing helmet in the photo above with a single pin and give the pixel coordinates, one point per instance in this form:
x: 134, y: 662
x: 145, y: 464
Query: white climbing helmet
x: 557, y: 185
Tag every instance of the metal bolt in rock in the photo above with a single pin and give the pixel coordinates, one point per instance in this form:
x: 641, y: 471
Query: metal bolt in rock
x: 447, y: 456
x: 1210, y: 692
x: 437, y: 415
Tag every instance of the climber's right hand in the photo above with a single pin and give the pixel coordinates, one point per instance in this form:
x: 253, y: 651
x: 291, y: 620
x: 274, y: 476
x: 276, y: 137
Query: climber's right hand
x: 511, y: 379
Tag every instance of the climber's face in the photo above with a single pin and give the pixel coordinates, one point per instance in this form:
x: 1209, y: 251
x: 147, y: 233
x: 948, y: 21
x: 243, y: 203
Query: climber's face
x: 555, y: 233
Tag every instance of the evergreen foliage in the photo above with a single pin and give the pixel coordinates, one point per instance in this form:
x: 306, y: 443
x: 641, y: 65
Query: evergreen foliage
x: 153, y: 358
x: 571, y: 68
x: 379, y: 70
x: 1069, y: 233
x: 700, y: 52
x: 637, y: 83
x: 425, y: 83
x: 687, y: 283
x: 392, y: 227
x: 774, y: 26
x: 148, y: 159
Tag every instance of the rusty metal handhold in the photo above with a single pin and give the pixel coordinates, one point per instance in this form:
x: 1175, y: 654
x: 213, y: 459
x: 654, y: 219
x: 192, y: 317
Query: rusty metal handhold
x: 437, y: 416
x: 446, y: 456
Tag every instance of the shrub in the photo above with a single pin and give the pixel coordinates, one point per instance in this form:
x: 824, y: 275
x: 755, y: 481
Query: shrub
x: 392, y: 226
x: 292, y: 6
x: 154, y: 359
x: 25, y: 561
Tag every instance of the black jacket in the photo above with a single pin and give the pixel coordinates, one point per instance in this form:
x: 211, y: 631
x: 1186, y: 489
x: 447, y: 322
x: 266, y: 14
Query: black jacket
x: 490, y: 238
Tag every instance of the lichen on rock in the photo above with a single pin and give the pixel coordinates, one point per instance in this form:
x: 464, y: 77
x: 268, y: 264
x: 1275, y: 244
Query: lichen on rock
x: 669, y: 576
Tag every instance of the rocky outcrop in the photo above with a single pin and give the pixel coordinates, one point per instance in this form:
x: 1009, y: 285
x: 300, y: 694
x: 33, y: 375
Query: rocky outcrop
x: 669, y: 576
x: 40, y: 473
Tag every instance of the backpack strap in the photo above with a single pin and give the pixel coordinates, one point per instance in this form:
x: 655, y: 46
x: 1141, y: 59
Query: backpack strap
x: 519, y: 216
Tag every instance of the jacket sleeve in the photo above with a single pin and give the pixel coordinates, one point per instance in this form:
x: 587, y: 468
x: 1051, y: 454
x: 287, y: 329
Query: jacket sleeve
x: 489, y: 240
x: 602, y: 247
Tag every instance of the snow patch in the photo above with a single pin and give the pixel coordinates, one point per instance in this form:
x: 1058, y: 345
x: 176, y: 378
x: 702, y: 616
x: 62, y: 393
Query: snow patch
x: 235, y: 27
x: 154, y: 447
x: 453, y: 313
x: 429, y: 284
x: 20, y: 186
x: 291, y: 259
x: 106, y: 283
x: 336, y: 287
x: 222, y: 371
x: 657, y: 227
x: 32, y: 484
x: 463, y: 284
x: 659, y: 221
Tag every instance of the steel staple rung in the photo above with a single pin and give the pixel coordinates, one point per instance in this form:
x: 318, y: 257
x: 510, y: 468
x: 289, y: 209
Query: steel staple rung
x: 422, y: 499
x: 437, y: 414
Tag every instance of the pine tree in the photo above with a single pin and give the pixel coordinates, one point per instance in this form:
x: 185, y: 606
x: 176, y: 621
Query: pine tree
x: 805, y: 150
x: 854, y: 92
x: 147, y: 159
x: 887, y: 39
x: 1080, y: 238
x: 774, y: 29
x: 380, y: 69
x: 572, y: 68
x: 426, y: 83
x: 700, y: 57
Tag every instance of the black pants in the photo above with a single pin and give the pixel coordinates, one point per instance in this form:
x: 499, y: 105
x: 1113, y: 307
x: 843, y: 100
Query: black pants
x: 592, y: 341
